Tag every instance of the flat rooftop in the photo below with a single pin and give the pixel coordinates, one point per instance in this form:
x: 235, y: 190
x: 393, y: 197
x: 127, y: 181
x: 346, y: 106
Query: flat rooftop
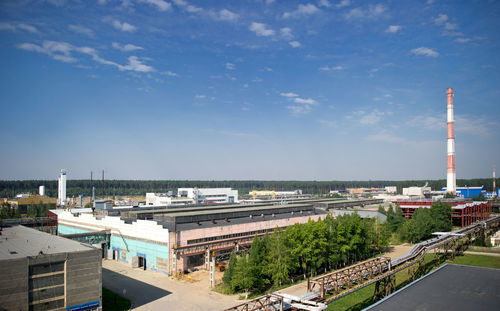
x: 20, y: 242
x: 451, y: 287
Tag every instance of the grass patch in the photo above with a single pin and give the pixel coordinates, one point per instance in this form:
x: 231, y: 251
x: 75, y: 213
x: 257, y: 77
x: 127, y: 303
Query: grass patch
x: 364, y: 297
x: 111, y: 301
x: 477, y: 260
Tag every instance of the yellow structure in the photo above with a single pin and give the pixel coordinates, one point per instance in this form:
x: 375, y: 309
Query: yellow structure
x: 270, y: 193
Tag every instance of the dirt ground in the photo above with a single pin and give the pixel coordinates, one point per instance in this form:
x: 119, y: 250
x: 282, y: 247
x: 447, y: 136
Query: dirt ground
x: 393, y: 251
x: 149, y: 290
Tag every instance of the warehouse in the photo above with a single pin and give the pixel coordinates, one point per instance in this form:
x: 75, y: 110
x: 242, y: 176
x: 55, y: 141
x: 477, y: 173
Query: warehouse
x: 177, y: 239
x: 40, y: 271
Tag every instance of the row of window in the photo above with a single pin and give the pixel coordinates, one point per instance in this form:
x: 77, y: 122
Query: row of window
x: 228, y: 236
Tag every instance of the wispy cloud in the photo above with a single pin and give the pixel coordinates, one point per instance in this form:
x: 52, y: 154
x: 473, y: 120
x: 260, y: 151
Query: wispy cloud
x: 187, y: 7
x: 371, y: 118
x: 126, y: 47
x: 226, y: 15
x: 462, y: 40
x: 62, y: 51
x: 300, y: 105
x: 431, y: 122
x: 231, y: 133
x: 286, y: 33
x: 294, y: 44
x: 333, y: 68
x: 324, y: 3
x: 302, y: 10
x: 81, y: 30
x: 126, y: 27
x: 372, y: 12
x: 393, y: 28
x: 343, y: 4
x: 230, y: 66
x: 289, y: 94
x: 261, y: 29
x: 200, y: 96
x: 161, y: 5
x: 424, y: 51
x: 17, y: 27
x: 169, y: 73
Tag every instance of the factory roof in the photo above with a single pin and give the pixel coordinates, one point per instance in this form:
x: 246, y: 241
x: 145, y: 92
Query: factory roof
x: 19, y: 242
x: 451, y: 287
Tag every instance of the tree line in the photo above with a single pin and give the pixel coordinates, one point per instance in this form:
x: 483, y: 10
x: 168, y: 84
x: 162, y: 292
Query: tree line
x: 304, y: 250
x: 75, y: 187
x: 423, y: 223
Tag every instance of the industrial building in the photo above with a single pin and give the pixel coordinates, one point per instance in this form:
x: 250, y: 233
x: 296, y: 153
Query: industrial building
x: 464, y: 213
x: 193, y: 196
x: 272, y: 194
x: 40, y: 271
x: 469, y: 192
x: 176, y: 239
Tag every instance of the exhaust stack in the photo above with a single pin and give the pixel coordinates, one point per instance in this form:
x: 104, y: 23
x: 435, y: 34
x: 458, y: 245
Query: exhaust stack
x: 451, y: 180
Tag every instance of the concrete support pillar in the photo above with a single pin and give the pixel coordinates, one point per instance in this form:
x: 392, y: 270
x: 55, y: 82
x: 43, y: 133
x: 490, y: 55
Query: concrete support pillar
x: 212, y: 273
x: 207, y: 259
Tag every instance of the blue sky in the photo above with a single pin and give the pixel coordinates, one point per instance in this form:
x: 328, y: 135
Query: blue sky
x: 308, y: 90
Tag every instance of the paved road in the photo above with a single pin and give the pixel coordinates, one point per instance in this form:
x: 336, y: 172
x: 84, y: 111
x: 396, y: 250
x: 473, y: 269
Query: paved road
x: 149, y: 290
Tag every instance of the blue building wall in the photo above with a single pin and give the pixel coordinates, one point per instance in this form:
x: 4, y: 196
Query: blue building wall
x: 469, y: 193
x: 127, y: 248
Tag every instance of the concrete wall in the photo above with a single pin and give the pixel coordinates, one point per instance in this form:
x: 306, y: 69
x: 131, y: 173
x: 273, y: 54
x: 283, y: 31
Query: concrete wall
x: 82, y: 273
x: 14, y: 284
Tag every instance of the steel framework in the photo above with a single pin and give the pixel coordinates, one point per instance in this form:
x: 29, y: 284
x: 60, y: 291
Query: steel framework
x: 346, y: 277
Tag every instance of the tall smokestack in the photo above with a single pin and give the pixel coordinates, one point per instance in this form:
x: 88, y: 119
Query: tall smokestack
x: 451, y: 180
x: 494, y: 180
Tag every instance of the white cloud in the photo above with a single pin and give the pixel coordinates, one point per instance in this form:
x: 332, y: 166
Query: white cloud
x: 269, y: 1
x: 424, y: 51
x: 261, y: 29
x: 226, y: 15
x: 431, y: 122
x: 290, y: 94
x: 126, y: 47
x: 81, y: 30
x: 305, y: 101
x: 343, y: 3
x: 160, y: 4
x: 230, y: 66
x: 324, y: 3
x: 295, y: 44
x: 327, y: 68
x: 441, y: 19
x: 186, y: 6
x: 200, y: 96
x: 462, y: 40
x: 302, y: 10
x: 473, y: 126
x: 372, y: 12
x: 20, y: 26
x: 123, y: 26
x: 61, y: 51
x: 169, y: 73
x: 286, y: 33
x: 135, y: 64
x: 393, y: 28
x: 299, y: 109
x: 371, y: 118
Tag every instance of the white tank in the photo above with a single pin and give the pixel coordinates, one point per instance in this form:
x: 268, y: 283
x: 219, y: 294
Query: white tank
x: 41, y: 190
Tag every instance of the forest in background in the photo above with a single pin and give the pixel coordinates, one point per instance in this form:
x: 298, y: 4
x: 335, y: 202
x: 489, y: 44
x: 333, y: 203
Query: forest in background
x: 75, y: 187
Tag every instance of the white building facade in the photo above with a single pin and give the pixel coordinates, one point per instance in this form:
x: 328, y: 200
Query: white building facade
x: 209, y: 195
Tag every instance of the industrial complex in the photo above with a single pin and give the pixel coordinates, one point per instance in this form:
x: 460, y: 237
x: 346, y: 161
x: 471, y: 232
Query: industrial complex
x: 173, y: 239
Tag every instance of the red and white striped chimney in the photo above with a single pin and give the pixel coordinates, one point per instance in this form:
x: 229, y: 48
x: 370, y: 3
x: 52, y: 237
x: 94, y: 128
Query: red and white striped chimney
x: 451, y: 181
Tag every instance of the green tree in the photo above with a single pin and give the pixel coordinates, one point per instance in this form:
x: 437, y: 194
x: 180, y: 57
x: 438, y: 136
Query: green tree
x: 382, y: 210
x: 242, y: 280
x: 278, y: 258
x: 229, y: 272
x: 419, y: 227
x: 441, y: 216
x: 32, y: 211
